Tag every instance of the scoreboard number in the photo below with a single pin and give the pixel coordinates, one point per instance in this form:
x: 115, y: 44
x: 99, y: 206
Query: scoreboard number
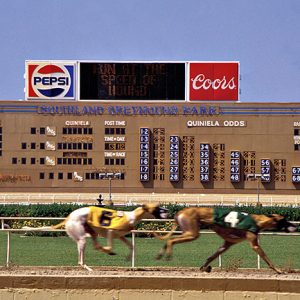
x: 265, y: 170
x: 174, y: 158
x: 144, y: 154
x: 235, y: 166
x: 204, y: 162
x: 296, y: 174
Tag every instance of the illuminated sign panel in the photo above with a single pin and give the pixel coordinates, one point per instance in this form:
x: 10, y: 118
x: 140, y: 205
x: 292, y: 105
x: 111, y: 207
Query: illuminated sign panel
x: 132, y: 81
x: 144, y: 154
x: 174, y: 158
x: 235, y: 166
x: 204, y: 162
x: 216, y: 81
x: 296, y: 174
x: 265, y: 169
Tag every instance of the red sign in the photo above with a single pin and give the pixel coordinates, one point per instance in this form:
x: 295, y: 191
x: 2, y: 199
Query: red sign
x: 216, y: 81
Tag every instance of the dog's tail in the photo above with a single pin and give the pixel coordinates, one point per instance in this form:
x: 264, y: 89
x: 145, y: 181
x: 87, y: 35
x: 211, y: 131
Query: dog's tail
x: 166, y: 236
x: 61, y: 224
x: 57, y: 226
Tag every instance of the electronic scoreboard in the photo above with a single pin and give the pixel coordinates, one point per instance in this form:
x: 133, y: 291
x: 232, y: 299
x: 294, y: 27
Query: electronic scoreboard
x: 144, y: 154
x: 132, y: 81
x: 174, y: 158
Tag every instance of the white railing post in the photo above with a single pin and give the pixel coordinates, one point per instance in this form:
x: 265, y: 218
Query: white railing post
x: 8, y: 250
x: 133, y: 250
x: 258, y: 257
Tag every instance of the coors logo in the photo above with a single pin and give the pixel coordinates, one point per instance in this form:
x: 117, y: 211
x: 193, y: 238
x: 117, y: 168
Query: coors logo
x: 214, y: 81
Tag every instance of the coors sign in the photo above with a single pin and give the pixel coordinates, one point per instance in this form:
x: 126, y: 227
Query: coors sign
x: 217, y: 81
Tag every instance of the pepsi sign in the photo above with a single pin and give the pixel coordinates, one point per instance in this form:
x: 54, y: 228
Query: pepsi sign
x: 47, y: 80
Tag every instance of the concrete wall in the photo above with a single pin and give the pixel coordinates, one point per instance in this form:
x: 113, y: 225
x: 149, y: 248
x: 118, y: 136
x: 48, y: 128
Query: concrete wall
x: 21, y: 287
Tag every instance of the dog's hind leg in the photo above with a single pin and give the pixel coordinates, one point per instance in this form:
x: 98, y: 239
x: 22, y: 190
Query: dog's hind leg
x: 81, y: 244
x: 206, y: 267
x: 252, y: 238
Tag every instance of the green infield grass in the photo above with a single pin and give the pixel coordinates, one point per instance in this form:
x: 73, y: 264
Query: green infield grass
x: 62, y: 251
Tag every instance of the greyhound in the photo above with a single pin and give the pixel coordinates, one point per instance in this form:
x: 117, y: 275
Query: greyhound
x: 233, y: 227
x: 105, y: 222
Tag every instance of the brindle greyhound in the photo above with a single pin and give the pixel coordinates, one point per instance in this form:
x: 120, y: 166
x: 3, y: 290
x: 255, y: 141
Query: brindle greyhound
x: 191, y: 219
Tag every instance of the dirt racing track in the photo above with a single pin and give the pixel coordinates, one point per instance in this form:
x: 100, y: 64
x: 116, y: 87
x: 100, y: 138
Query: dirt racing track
x: 39, y: 283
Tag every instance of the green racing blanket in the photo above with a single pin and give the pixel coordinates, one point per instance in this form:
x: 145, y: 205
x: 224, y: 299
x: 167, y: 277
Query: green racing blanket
x: 234, y: 219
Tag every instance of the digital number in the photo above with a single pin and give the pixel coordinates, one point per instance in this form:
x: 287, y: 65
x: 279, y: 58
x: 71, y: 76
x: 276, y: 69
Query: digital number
x: 144, y: 169
x: 235, y: 177
x: 144, y: 131
x: 174, y: 162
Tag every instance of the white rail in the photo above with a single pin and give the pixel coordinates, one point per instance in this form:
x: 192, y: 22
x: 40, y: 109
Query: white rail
x: 133, y: 235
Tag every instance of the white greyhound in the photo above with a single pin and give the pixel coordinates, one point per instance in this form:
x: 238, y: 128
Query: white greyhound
x: 105, y: 222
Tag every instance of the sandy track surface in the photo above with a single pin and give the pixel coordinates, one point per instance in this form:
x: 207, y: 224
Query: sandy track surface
x: 149, y: 272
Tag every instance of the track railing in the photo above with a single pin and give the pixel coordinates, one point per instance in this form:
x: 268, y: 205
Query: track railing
x: 133, y: 235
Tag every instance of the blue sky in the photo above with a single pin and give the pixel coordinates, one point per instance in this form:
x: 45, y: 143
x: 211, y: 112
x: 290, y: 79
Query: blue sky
x: 264, y: 35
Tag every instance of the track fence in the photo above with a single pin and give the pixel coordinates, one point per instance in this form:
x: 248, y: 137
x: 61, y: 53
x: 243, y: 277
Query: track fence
x: 134, y: 233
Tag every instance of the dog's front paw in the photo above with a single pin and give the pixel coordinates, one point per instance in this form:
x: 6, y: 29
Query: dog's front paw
x: 206, y: 269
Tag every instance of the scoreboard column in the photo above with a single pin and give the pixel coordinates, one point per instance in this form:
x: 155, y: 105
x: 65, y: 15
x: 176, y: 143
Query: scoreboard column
x: 174, y: 158
x: 204, y: 162
x: 235, y: 166
x: 296, y: 174
x: 144, y: 154
x: 265, y: 170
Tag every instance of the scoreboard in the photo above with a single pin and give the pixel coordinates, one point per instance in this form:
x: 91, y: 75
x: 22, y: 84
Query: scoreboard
x: 204, y: 162
x: 144, y: 154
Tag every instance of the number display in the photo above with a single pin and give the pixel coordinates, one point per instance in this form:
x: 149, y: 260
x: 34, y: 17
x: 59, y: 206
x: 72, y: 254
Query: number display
x: 296, y: 174
x: 204, y: 162
x: 144, y: 154
x: 174, y: 158
x: 235, y: 166
x: 265, y: 169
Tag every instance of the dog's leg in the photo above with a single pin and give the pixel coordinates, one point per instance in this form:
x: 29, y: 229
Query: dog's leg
x: 185, y: 237
x: 205, y: 267
x: 129, y: 245
x: 252, y: 238
x: 108, y: 248
x: 81, y: 244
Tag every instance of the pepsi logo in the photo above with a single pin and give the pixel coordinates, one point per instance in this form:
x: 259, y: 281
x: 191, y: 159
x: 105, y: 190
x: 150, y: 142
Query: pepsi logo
x: 51, y: 81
